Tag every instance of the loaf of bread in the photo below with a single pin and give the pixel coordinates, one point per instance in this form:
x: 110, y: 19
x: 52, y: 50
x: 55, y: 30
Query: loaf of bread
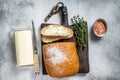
x: 55, y: 32
x: 61, y: 59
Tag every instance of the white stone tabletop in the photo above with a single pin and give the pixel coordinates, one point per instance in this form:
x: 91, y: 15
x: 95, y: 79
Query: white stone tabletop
x: 104, y: 53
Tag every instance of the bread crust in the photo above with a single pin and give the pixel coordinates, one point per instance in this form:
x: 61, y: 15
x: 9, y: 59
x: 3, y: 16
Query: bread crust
x: 68, y: 67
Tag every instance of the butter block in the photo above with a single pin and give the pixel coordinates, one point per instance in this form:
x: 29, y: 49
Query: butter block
x: 24, y: 47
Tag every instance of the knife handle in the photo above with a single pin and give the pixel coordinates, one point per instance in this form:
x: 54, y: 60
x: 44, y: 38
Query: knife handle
x: 36, y: 63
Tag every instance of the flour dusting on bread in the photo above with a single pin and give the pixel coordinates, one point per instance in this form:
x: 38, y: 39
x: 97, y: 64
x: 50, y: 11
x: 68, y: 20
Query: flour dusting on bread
x: 61, y: 59
x: 56, y: 55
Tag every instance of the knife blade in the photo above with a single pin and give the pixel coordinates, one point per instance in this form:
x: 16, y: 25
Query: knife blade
x: 36, y: 57
x: 34, y: 37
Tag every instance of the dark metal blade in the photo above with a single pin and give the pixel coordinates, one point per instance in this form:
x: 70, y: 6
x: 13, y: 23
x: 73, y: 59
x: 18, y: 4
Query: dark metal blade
x: 34, y: 36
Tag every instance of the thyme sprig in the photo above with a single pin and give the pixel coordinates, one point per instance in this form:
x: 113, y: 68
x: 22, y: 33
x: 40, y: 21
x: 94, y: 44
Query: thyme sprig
x: 80, y: 30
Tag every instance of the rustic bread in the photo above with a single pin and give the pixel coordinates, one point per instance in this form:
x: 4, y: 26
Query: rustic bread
x: 48, y: 39
x: 56, y: 30
x: 60, y: 59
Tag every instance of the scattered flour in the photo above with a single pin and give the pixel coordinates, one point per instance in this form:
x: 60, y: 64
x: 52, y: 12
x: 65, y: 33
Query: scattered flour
x: 57, y: 55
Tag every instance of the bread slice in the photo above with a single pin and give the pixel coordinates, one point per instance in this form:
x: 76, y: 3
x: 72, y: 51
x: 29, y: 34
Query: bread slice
x: 56, y: 30
x: 48, y: 39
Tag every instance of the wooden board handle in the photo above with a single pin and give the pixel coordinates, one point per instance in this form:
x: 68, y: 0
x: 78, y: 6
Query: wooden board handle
x: 64, y: 15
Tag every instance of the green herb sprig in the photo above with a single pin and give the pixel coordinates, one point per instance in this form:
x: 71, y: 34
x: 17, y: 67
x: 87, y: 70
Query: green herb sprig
x: 80, y: 30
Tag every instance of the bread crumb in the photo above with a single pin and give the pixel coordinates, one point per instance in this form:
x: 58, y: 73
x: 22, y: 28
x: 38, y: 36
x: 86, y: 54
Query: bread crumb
x: 56, y: 30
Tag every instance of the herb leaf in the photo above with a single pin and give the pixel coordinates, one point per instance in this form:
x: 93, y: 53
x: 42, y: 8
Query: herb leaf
x: 80, y: 30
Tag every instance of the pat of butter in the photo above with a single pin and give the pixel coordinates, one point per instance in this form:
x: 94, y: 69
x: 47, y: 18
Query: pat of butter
x: 24, y: 47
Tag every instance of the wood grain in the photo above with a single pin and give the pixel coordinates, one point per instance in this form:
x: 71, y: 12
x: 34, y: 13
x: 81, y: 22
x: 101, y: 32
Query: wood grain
x: 83, y: 53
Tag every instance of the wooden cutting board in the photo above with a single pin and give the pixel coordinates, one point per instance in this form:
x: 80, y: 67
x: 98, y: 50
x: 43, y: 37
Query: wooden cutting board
x: 83, y: 53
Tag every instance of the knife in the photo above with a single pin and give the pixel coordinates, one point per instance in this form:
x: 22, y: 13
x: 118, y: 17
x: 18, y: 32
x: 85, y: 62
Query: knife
x: 36, y: 57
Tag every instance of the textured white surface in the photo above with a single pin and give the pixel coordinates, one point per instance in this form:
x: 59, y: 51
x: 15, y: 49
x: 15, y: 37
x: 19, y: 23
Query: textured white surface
x: 104, y: 53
